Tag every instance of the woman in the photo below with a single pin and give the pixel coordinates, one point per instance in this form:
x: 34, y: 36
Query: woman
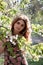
x: 20, y: 26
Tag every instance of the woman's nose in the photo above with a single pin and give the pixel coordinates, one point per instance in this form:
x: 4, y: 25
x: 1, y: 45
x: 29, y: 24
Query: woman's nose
x: 19, y: 26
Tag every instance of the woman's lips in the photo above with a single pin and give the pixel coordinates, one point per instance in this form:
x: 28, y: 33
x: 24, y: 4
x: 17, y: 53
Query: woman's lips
x: 18, y: 29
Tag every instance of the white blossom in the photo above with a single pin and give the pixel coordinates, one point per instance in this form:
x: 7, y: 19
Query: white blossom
x: 12, y: 38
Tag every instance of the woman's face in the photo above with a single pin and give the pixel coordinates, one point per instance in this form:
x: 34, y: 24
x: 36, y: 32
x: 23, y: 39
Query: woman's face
x: 19, y: 26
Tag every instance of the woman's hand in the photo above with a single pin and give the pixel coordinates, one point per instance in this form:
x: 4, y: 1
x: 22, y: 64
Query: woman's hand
x: 5, y: 39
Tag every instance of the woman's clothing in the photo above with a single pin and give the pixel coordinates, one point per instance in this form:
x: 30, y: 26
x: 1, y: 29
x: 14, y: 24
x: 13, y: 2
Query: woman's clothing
x: 19, y: 59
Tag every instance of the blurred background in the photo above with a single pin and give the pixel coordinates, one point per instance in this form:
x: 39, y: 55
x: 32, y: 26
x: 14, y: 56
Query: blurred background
x: 34, y: 10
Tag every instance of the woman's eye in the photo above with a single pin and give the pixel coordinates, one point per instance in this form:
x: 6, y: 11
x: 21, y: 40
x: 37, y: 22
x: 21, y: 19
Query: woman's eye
x: 18, y: 22
x: 22, y: 25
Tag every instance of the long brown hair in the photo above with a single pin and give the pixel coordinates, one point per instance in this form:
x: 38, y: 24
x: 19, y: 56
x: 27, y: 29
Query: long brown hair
x: 26, y: 32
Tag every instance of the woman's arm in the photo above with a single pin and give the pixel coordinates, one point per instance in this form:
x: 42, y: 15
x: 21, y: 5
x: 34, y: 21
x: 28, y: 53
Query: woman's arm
x: 1, y: 45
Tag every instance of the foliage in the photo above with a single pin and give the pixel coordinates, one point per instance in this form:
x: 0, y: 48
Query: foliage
x: 34, y: 10
x: 20, y: 41
x: 35, y: 51
x: 40, y: 62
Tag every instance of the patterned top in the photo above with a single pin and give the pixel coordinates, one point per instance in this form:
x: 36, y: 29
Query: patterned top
x: 18, y: 59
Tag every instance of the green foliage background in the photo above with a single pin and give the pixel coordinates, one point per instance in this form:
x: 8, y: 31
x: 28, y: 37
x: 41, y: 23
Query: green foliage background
x: 34, y: 10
